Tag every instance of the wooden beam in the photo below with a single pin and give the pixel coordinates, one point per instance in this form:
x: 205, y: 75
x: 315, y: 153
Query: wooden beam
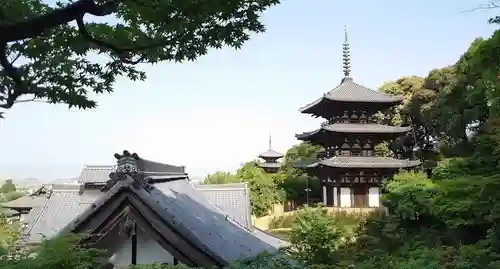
x: 134, y: 245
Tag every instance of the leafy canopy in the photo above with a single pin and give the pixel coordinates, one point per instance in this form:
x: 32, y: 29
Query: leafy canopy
x: 62, y: 52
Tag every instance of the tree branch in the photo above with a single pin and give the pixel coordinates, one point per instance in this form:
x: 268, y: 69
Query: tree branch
x: 13, y: 73
x: 34, y: 27
x: 124, y: 54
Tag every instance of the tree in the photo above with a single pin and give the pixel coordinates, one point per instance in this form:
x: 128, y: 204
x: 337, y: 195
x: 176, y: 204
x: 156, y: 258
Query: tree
x: 54, y: 52
x: 7, y: 187
x: 417, y: 100
x: 315, y: 236
x: 220, y: 177
x: 296, y: 181
x: 60, y: 252
x: 264, y: 192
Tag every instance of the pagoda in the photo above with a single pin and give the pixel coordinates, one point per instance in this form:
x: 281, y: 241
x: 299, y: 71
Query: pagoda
x: 270, y: 157
x: 350, y: 171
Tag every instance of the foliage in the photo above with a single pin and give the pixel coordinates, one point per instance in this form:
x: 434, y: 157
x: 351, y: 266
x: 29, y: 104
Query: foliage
x: 53, y: 51
x: 316, y: 236
x: 289, y: 184
x: 10, y: 196
x: 220, y: 177
x: 264, y: 260
x: 60, y: 252
x: 296, y: 181
x: 9, y: 233
x: 447, y: 219
x: 8, y: 186
x: 264, y: 191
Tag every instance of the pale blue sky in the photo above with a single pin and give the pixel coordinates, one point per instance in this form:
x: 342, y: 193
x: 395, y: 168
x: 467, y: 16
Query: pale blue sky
x: 216, y: 113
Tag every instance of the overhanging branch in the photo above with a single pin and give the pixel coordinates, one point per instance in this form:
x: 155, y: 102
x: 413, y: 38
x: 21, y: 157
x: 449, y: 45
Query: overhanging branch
x: 19, y: 86
x: 123, y: 53
x: 36, y: 26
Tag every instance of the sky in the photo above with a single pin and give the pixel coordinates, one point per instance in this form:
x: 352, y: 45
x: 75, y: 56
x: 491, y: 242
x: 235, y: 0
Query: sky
x: 217, y: 112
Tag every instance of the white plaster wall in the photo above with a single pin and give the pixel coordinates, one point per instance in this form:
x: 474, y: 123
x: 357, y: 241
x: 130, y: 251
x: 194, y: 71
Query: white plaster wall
x: 148, y: 251
x: 345, y: 197
x: 374, y: 197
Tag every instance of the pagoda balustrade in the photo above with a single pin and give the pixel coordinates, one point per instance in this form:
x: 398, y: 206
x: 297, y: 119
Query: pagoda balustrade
x: 352, y: 116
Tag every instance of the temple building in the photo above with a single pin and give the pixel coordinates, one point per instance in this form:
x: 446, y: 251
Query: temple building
x: 270, y: 157
x: 142, y: 211
x: 350, y: 171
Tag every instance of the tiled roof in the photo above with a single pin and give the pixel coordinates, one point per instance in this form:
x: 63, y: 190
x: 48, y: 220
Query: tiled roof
x: 349, y: 91
x: 270, y: 153
x: 95, y: 173
x: 35, y: 199
x: 66, y: 203
x: 26, y: 202
x: 100, y: 173
x: 62, y: 207
x: 233, y: 199
x: 357, y: 128
x: 185, y: 210
x: 156, y: 167
x: 366, y: 162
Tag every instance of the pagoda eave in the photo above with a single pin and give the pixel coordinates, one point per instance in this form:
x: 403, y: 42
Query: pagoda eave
x: 352, y: 128
x: 311, y: 107
x: 365, y: 163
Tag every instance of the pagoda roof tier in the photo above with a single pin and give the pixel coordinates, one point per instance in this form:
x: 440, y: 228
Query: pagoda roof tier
x: 269, y: 165
x: 357, y: 128
x: 365, y: 162
x: 271, y: 154
x: 350, y: 92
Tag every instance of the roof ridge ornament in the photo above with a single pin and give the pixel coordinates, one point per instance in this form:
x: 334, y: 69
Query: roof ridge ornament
x: 127, y: 166
x: 127, y: 162
x: 346, y: 55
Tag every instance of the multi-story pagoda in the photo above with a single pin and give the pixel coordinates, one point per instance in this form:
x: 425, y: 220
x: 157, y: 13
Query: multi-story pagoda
x: 270, y: 157
x: 350, y: 171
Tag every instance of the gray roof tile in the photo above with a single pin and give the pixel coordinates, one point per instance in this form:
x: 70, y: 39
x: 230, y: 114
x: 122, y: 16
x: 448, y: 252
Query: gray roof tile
x: 26, y: 202
x: 200, y: 220
x: 270, y: 153
x: 359, y: 128
x: 232, y: 199
x: 67, y: 202
x: 366, y: 162
x: 349, y: 91
x: 95, y: 173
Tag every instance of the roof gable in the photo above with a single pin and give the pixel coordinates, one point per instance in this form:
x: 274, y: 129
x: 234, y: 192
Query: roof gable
x: 178, y: 206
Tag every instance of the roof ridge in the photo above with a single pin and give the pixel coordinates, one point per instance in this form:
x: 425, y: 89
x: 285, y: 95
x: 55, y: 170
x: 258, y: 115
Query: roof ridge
x: 99, y: 166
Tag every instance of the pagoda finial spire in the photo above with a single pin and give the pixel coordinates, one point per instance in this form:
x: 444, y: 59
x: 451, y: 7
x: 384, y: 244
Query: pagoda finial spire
x: 270, y: 141
x: 346, y: 55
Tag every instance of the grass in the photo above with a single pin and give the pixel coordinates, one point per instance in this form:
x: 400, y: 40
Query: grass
x: 281, y: 233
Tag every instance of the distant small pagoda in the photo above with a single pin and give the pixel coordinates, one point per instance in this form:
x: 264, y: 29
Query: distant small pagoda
x: 270, y: 157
